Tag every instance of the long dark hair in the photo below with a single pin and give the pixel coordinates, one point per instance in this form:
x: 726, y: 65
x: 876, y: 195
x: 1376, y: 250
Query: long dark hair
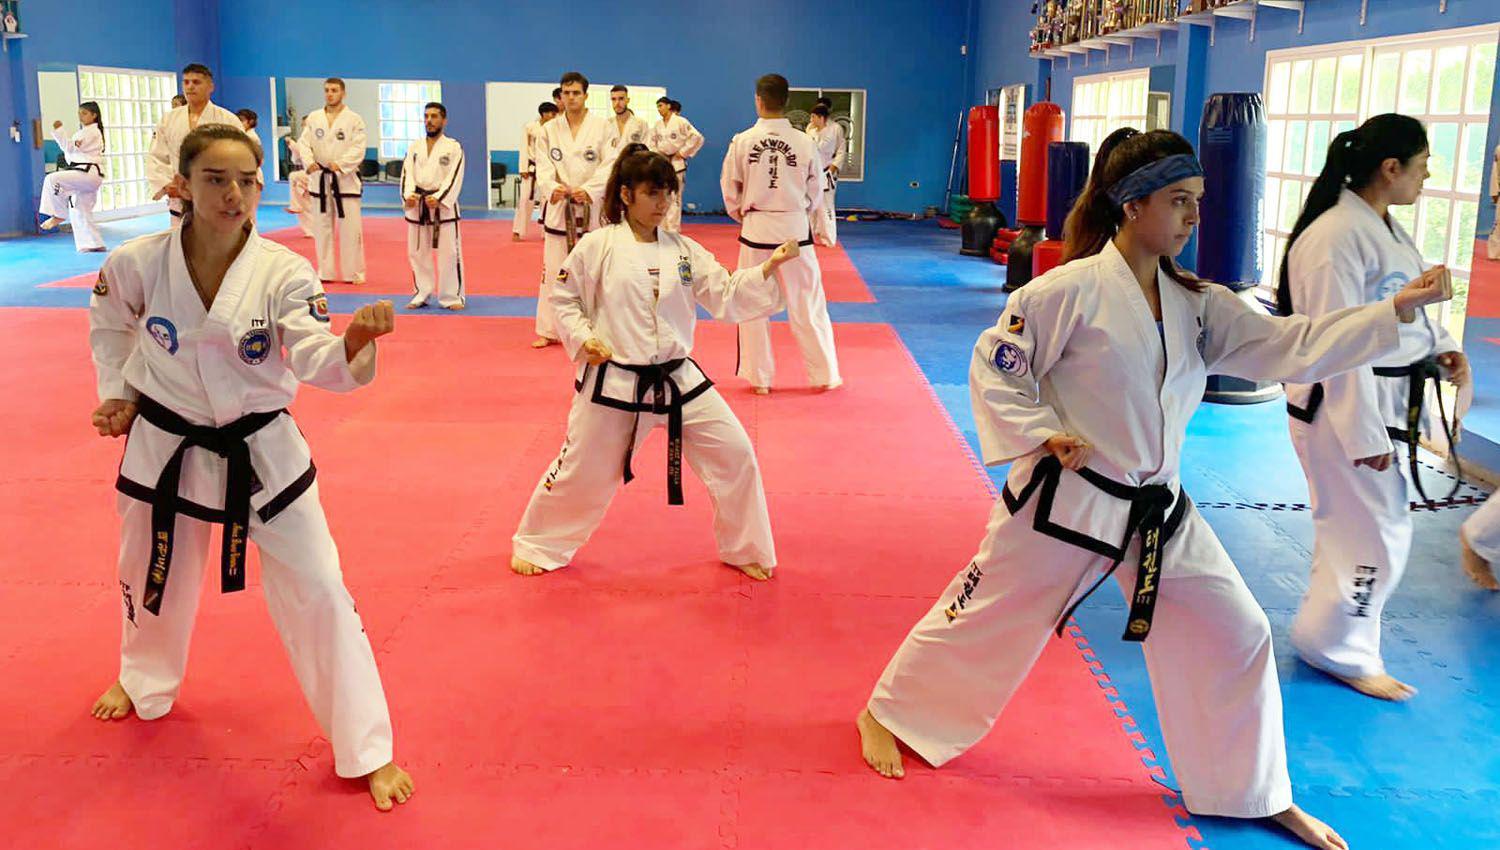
x: 1095, y: 219
x: 93, y: 106
x: 636, y: 164
x: 1354, y: 158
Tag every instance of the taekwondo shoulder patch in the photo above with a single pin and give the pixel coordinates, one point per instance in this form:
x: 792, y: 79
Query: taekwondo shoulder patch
x: 1008, y: 358
x: 685, y: 271
x: 318, y: 306
x: 556, y: 154
x: 1016, y: 324
x: 255, y: 346
x: 164, y: 332
x: 562, y: 275
x: 101, y: 288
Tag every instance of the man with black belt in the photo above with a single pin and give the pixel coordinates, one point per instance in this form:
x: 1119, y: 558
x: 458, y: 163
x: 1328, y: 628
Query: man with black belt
x: 574, y: 160
x: 431, y: 181
x: 773, y: 185
x: 334, y: 136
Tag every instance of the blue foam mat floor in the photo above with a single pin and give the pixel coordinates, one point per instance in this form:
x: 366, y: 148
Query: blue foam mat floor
x: 1424, y: 774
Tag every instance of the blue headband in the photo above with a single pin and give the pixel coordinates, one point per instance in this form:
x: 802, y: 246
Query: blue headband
x: 1153, y: 176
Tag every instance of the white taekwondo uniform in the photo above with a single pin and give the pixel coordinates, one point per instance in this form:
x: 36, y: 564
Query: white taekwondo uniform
x: 213, y: 444
x: 565, y: 158
x: 773, y: 186
x: 338, y: 147
x: 1362, y: 526
x: 1078, y: 352
x: 70, y: 193
x: 641, y: 299
x: 432, y: 233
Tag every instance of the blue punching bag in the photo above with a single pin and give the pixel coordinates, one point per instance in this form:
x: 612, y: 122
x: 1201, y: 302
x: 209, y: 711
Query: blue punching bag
x: 1067, y: 171
x: 1232, y: 147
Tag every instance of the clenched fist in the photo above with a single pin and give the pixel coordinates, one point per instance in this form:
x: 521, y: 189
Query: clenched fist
x: 1433, y: 287
x: 369, y: 322
x: 596, y: 351
x: 112, y: 418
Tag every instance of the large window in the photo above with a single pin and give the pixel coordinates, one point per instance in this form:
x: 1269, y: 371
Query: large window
x: 133, y: 103
x: 401, y: 118
x: 1103, y: 103
x: 1444, y: 79
x: 849, y: 111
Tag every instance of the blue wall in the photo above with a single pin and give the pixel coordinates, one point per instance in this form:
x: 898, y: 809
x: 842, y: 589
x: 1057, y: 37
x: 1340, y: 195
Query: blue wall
x: 906, y: 55
x: 155, y: 34
x: 1233, y: 63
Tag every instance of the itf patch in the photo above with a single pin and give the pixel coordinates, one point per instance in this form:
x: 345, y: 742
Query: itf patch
x: 556, y: 154
x: 1008, y: 358
x: 255, y: 346
x: 164, y: 332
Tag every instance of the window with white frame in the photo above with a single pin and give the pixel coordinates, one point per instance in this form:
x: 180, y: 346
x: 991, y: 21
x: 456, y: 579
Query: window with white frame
x: 1103, y: 103
x: 401, y: 119
x: 1444, y: 79
x: 133, y: 103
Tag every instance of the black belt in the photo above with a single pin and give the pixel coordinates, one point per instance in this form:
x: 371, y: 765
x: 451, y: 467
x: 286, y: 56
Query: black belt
x: 326, y: 176
x: 1149, y: 517
x: 84, y: 167
x: 429, y: 216
x: 766, y: 247
x: 668, y: 398
x: 227, y: 442
x: 1417, y: 375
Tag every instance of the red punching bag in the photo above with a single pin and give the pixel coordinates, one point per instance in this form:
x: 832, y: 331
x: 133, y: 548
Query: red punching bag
x: 1042, y: 125
x: 984, y: 220
x: 984, y: 153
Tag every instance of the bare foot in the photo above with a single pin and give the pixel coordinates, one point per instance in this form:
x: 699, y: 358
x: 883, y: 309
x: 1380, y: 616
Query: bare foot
x: 113, y: 704
x: 51, y: 223
x: 453, y: 307
x: 755, y: 571
x: 515, y: 237
x: 543, y: 342
x: 524, y: 568
x: 1312, y: 831
x: 879, y: 746
x: 833, y: 386
x: 1381, y: 686
x: 761, y: 390
x: 359, y: 280
x: 1476, y: 567
x: 390, y: 785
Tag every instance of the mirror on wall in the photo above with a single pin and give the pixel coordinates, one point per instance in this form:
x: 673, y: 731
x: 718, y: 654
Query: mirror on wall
x: 392, y: 110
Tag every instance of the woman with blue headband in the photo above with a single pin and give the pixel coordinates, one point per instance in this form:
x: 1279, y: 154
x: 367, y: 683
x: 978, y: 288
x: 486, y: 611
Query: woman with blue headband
x: 1085, y: 386
x: 1350, y: 430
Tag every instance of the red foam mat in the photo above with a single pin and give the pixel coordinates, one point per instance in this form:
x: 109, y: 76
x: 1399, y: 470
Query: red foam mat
x: 494, y: 264
x: 646, y: 696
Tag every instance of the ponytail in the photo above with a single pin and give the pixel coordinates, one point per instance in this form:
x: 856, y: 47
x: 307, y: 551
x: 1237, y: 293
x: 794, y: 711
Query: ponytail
x: 1096, y: 218
x: 1354, y: 158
